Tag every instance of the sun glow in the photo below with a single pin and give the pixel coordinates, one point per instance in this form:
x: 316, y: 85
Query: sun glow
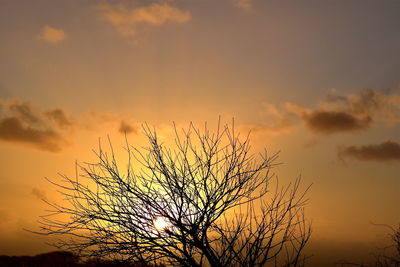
x: 161, y: 223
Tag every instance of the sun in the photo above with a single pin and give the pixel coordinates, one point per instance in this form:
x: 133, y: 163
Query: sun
x: 161, y: 223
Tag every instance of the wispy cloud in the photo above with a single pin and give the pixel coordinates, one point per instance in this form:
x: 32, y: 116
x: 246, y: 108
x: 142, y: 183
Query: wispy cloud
x: 129, y: 21
x: 383, y: 152
x: 277, y: 122
x: 244, y: 4
x: 95, y: 120
x: 381, y: 105
x: 52, y: 35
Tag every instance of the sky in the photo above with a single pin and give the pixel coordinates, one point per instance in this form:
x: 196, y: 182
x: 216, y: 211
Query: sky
x: 318, y: 81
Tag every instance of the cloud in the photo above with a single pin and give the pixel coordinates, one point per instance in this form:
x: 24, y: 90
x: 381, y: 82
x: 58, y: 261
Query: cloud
x: 126, y: 128
x: 280, y: 122
x: 327, y: 122
x: 38, y: 193
x: 381, y: 105
x: 21, y: 123
x: 47, y: 129
x: 128, y: 21
x: 383, y: 152
x: 52, y: 35
x: 244, y: 4
x: 94, y: 120
x: 12, y: 130
x: 350, y: 112
x: 25, y: 112
x: 58, y: 116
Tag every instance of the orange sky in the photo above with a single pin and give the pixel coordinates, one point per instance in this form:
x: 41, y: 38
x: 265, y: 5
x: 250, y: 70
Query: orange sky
x: 316, y: 80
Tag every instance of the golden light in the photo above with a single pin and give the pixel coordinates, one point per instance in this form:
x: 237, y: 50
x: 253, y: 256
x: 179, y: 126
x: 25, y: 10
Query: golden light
x: 161, y: 223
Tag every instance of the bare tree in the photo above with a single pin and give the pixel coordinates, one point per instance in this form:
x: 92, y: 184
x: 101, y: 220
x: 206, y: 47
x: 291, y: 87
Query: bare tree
x: 204, y: 201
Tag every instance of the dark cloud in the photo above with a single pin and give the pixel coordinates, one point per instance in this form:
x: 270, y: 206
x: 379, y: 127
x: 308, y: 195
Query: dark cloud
x: 327, y: 122
x: 24, y: 112
x: 126, y: 128
x: 13, y: 130
x: 383, y: 152
x: 351, y: 112
x: 59, y: 117
x: 22, y: 123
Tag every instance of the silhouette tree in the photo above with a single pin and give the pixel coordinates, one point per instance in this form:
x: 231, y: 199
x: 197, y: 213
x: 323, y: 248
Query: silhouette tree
x: 204, y: 201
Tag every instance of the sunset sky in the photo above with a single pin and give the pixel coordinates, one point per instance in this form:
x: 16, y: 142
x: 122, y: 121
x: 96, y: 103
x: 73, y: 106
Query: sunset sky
x: 317, y: 80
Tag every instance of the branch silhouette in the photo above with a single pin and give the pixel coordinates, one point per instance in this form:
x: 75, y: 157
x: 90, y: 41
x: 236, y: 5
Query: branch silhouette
x: 212, y: 194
